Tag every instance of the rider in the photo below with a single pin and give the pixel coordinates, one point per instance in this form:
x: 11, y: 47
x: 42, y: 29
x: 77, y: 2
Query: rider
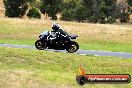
x: 60, y: 34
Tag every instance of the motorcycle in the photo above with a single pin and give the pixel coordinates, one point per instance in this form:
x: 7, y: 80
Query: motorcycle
x: 47, y: 41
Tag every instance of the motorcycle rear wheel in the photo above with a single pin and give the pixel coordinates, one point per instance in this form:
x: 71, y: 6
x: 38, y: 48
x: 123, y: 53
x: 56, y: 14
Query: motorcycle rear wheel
x: 40, y: 45
x: 72, y: 47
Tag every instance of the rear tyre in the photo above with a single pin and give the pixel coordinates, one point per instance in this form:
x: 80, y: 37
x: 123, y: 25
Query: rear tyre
x: 40, y: 45
x: 72, y: 47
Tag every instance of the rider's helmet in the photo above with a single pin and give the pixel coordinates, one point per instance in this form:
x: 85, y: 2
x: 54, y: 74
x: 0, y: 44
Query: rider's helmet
x: 55, y: 26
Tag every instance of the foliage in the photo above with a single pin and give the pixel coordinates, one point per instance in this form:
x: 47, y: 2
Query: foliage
x: 75, y: 10
x: 122, y: 14
x: 111, y: 19
x: 51, y: 7
x: 93, y: 19
x: 70, y: 10
x: 130, y: 2
x: 15, y: 8
x: 80, y: 14
x: 34, y: 3
x: 130, y: 6
x: 124, y: 17
x: 95, y: 11
x: 67, y: 15
x: 34, y: 13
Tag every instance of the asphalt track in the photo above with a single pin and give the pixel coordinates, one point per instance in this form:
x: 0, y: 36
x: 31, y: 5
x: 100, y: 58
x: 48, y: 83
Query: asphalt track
x: 81, y: 52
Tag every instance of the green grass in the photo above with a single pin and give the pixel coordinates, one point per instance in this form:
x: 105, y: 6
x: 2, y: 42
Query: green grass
x: 22, y: 68
x: 18, y: 42
x: 97, y: 45
x: 107, y: 46
x: 110, y: 37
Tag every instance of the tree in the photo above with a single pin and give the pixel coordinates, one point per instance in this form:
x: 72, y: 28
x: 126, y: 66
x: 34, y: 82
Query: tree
x: 15, y: 8
x: 110, y: 7
x: 77, y: 10
x: 96, y: 7
x: 130, y: 2
x: 130, y: 5
x: 122, y: 13
x: 99, y: 10
x: 34, y: 3
x: 89, y: 7
x: 69, y: 10
x: 124, y: 17
x: 68, y: 15
x: 107, y: 10
x: 34, y: 13
x: 81, y: 14
x: 51, y: 7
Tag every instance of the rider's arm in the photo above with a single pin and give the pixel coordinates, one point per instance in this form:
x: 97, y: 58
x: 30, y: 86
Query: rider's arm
x: 63, y: 33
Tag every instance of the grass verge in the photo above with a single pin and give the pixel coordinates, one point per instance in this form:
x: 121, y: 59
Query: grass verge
x: 43, y: 69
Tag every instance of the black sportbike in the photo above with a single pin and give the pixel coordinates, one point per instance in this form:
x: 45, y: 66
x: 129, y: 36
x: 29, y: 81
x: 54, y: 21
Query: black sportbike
x: 47, y: 41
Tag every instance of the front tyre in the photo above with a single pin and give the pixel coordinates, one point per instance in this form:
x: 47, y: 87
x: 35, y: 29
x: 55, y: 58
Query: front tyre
x: 40, y: 45
x: 72, y: 47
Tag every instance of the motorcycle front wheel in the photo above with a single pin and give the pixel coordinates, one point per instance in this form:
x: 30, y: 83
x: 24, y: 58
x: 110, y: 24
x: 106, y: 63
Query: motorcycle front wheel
x: 72, y: 47
x: 40, y: 45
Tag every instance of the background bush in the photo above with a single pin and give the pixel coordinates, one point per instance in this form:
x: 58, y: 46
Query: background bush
x: 94, y: 11
x: 124, y: 17
x: 15, y: 8
x: 34, y: 13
